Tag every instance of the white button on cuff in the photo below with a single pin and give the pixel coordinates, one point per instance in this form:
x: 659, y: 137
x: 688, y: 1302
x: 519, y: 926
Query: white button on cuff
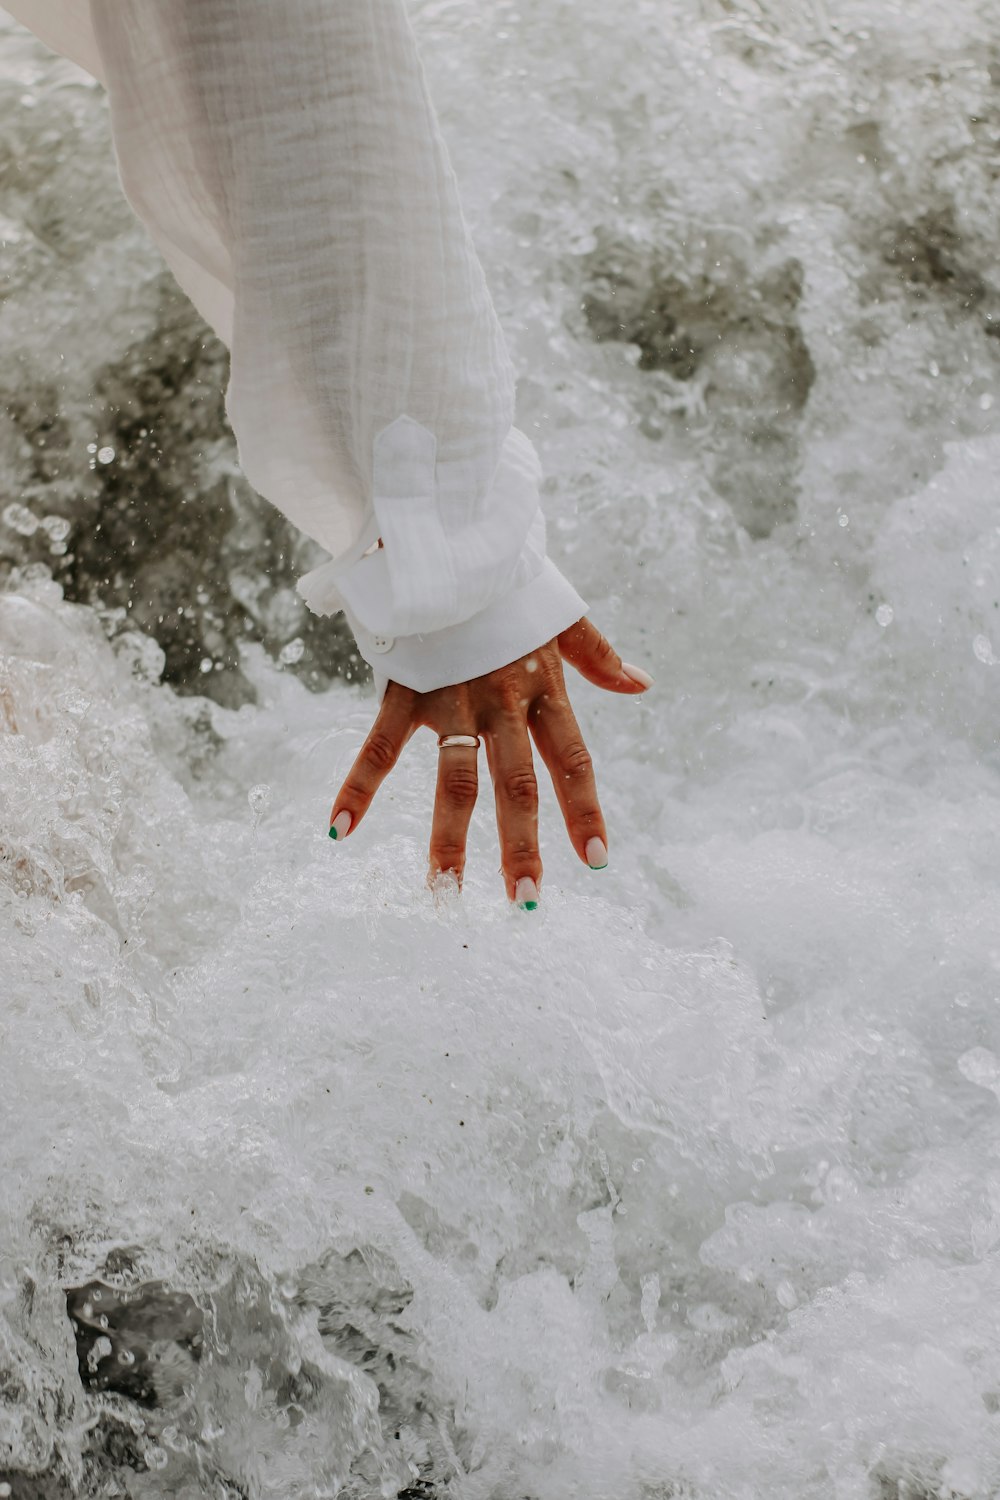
x: 383, y: 643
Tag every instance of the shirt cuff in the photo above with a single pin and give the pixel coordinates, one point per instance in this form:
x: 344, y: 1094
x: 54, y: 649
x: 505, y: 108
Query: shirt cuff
x: 509, y: 628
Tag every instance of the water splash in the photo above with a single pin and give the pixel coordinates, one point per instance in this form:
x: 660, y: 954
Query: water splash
x: 688, y: 1189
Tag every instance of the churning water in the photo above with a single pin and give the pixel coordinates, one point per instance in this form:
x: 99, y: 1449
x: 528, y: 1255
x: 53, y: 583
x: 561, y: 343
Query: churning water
x: 690, y: 1185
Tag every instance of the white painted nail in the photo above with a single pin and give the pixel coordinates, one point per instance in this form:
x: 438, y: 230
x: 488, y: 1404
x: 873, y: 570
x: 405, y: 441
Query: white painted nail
x: 597, y: 853
x: 637, y: 675
x: 341, y: 826
x: 526, y: 894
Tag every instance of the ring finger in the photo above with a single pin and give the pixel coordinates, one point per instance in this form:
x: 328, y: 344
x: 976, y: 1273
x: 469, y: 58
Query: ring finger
x: 454, y: 799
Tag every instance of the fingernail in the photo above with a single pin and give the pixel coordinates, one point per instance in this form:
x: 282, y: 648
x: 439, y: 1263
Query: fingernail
x: 341, y: 826
x: 597, y: 854
x: 637, y: 675
x: 526, y: 894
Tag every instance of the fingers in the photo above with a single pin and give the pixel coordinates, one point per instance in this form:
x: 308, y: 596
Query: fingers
x: 516, y: 791
x: 560, y: 743
x: 376, y: 759
x: 593, y: 656
x: 457, y: 790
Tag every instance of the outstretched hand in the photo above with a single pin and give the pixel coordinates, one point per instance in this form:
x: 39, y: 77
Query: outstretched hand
x: 503, y: 708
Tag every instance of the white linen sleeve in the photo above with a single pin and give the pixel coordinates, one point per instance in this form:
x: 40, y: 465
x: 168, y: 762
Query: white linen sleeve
x: 286, y: 158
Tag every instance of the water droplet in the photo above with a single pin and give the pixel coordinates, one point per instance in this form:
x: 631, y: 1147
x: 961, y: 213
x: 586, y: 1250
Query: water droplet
x: 105, y: 455
x: 786, y: 1295
x: 985, y: 401
x: 983, y: 651
x: 934, y: 368
x: 843, y: 520
x: 884, y: 615
x: 293, y: 652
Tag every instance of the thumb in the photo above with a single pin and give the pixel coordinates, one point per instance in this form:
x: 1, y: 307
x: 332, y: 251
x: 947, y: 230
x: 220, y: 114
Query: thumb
x: 593, y: 656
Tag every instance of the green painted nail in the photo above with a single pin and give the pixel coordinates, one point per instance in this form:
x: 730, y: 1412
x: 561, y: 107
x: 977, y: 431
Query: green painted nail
x: 597, y: 854
x: 528, y: 905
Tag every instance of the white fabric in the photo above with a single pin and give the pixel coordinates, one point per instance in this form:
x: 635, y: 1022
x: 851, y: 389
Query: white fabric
x: 285, y: 157
x: 522, y: 620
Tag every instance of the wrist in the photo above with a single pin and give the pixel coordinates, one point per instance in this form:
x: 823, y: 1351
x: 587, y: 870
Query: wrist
x: 510, y: 627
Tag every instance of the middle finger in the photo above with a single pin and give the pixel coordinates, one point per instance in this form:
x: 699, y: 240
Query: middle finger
x: 516, y: 790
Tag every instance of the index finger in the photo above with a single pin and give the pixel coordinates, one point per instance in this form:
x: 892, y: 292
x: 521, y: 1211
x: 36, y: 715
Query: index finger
x: 376, y: 758
x: 560, y: 741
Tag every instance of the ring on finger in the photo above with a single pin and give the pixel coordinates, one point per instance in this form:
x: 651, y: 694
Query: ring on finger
x: 449, y: 741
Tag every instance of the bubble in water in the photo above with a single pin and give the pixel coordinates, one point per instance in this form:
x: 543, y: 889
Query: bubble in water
x: 293, y: 652
x: 205, y: 665
x: 843, y: 520
x: 20, y: 519
x: 982, y: 650
x: 985, y: 401
x: 786, y: 1295
x: 105, y: 455
x: 91, y: 447
x: 57, y: 527
x: 884, y: 615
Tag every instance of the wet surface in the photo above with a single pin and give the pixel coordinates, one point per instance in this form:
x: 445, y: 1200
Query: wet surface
x: 687, y: 1187
x: 138, y: 1343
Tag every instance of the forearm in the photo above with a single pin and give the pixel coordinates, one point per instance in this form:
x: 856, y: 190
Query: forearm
x: 285, y: 155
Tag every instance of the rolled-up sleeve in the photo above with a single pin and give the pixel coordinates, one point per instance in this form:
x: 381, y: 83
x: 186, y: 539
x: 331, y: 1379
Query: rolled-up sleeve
x: 286, y: 158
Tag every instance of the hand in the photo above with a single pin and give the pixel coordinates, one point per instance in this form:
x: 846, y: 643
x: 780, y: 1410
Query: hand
x: 502, y: 707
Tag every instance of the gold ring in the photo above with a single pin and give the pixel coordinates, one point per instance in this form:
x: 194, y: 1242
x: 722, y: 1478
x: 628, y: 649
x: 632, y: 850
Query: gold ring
x: 470, y: 741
